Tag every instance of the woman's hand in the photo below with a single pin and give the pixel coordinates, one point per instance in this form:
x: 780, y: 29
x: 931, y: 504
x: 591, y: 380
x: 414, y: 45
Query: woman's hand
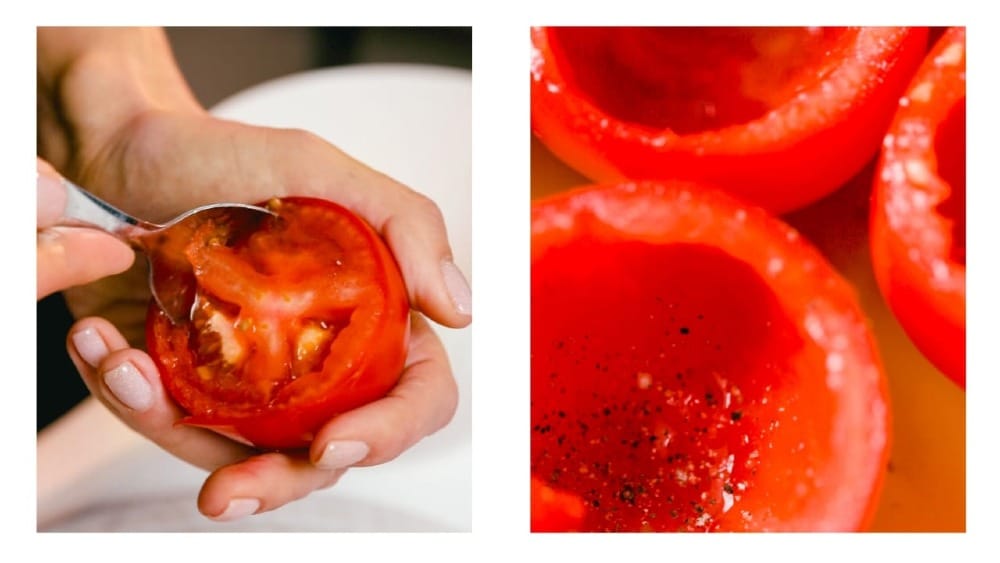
x: 156, y: 156
x: 70, y: 256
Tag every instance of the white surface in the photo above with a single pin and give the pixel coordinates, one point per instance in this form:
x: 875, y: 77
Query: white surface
x: 414, y: 124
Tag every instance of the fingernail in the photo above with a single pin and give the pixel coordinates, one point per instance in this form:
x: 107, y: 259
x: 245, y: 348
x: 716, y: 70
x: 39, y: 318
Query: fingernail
x: 50, y: 188
x: 90, y: 346
x: 129, y: 386
x: 238, y: 508
x: 342, y: 453
x: 458, y: 287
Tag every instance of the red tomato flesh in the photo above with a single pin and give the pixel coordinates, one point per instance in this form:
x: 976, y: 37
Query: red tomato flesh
x: 696, y: 366
x: 918, y: 209
x: 303, y: 319
x: 755, y: 111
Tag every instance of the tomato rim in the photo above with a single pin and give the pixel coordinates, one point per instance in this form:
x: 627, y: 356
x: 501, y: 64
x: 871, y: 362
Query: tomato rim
x: 777, y: 161
x: 913, y: 240
x: 291, y: 420
x: 669, y: 213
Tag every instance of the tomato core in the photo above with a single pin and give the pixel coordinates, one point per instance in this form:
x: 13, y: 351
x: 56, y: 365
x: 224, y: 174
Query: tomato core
x: 690, y: 79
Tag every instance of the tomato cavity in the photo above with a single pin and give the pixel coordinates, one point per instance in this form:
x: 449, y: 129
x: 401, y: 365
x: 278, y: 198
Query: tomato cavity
x: 666, y: 391
x: 949, y: 148
x: 268, y: 309
x: 694, y: 79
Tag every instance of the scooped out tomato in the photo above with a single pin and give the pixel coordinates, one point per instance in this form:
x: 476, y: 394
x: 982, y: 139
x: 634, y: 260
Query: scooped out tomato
x: 697, y: 366
x: 918, y: 210
x: 292, y: 324
x: 779, y: 117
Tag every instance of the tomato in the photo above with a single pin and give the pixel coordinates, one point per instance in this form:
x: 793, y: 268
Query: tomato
x: 303, y: 319
x: 777, y: 116
x: 697, y: 366
x: 918, y: 209
x: 554, y: 511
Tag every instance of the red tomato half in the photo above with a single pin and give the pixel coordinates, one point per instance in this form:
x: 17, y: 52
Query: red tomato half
x: 697, y: 366
x: 301, y: 320
x: 918, y: 209
x: 777, y: 116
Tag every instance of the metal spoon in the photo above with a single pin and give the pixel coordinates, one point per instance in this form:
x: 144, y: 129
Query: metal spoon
x: 171, y: 278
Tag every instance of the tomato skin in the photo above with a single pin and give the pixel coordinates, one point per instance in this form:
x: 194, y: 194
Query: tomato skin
x: 265, y: 401
x: 778, y: 157
x: 918, y: 208
x: 696, y: 366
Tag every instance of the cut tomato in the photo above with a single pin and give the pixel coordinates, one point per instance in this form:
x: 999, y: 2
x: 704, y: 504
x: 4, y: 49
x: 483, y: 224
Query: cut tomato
x: 303, y: 319
x: 918, y: 209
x: 697, y: 366
x: 777, y: 116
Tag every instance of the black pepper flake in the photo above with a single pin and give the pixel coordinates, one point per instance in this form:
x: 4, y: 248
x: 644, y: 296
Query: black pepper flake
x: 674, y: 513
x: 698, y: 508
x: 728, y: 488
x: 562, y: 414
x: 627, y: 494
x: 736, y: 415
x: 596, y: 503
x: 607, y: 411
x: 709, y: 399
x: 685, y: 330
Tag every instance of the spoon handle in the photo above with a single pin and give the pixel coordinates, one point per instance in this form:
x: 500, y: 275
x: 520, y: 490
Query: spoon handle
x: 84, y: 208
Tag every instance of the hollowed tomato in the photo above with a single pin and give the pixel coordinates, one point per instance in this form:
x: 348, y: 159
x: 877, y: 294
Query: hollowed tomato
x: 777, y: 116
x: 918, y: 208
x: 290, y: 325
x: 696, y: 366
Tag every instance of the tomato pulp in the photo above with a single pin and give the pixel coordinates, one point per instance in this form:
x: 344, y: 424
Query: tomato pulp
x: 696, y: 366
x: 777, y: 116
x: 918, y: 209
x: 303, y: 319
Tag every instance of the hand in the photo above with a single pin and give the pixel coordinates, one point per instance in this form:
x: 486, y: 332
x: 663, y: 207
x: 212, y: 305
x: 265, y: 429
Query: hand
x: 69, y: 256
x: 156, y: 158
x: 174, y: 155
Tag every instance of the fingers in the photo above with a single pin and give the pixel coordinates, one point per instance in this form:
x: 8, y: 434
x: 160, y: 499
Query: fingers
x: 411, y: 223
x: 261, y: 483
x: 422, y: 402
x: 127, y: 382
x: 70, y: 256
x: 51, y: 195
x: 417, y: 236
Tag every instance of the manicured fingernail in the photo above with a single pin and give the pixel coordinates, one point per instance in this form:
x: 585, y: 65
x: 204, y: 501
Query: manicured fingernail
x: 129, y: 386
x: 458, y: 287
x: 90, y: 346
x: 342, y: 453
x: 238, y: 508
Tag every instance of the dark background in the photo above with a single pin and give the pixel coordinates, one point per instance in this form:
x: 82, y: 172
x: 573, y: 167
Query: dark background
x: 217, y: 63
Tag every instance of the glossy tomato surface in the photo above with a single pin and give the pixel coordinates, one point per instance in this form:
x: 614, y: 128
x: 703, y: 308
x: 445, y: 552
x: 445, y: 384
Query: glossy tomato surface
x: 918, y: 210
x: 777, y: 116
x: 290, y: 325
x: 697, y: 366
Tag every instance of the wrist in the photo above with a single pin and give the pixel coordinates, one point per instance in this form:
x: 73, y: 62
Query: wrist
x: 98, y: 84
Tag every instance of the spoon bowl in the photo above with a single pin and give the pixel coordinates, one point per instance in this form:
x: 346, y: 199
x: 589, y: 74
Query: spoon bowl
x: 171, y: 277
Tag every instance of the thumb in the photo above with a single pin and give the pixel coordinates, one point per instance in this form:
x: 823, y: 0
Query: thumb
x: 51, y: 195
x: 69, y: 256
